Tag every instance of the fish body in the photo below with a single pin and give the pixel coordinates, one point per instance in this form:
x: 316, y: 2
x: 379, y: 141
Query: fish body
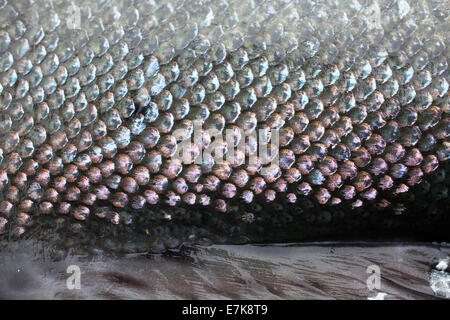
x: 139, y: 126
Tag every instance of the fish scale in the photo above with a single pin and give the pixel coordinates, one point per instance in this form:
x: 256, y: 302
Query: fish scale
x: 92, y: 115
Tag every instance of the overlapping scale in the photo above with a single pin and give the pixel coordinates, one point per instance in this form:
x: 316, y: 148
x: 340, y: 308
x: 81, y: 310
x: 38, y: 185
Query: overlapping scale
x: 357, y: 95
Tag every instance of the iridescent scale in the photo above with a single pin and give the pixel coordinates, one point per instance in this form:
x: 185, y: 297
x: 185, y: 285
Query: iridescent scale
x: 91, y: 115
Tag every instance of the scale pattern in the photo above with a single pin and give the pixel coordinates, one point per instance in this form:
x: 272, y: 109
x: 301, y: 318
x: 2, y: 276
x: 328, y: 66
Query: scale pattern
x: 91, y: 117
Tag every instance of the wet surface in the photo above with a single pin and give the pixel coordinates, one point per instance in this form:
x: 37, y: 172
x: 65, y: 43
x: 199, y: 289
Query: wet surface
x: 288, y: 271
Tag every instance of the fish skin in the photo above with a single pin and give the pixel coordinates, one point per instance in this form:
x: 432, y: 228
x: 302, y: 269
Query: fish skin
x: 97, y: 98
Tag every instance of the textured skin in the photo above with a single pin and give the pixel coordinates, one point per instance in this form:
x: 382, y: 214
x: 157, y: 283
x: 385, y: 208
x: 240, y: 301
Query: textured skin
x: 90, y: 119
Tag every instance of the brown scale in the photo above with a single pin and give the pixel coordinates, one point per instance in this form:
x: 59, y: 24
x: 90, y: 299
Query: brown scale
x: 280, y: 185
x: 292, y: 175
x: 23, y: 219
x: 180, y: 186
x: 291, y: 198
x: 334, y: 182
x: 137, y: 202
x: 172, y: 199
x: 322, y: 195
x: 270, y: 195
x: 6, y: 208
